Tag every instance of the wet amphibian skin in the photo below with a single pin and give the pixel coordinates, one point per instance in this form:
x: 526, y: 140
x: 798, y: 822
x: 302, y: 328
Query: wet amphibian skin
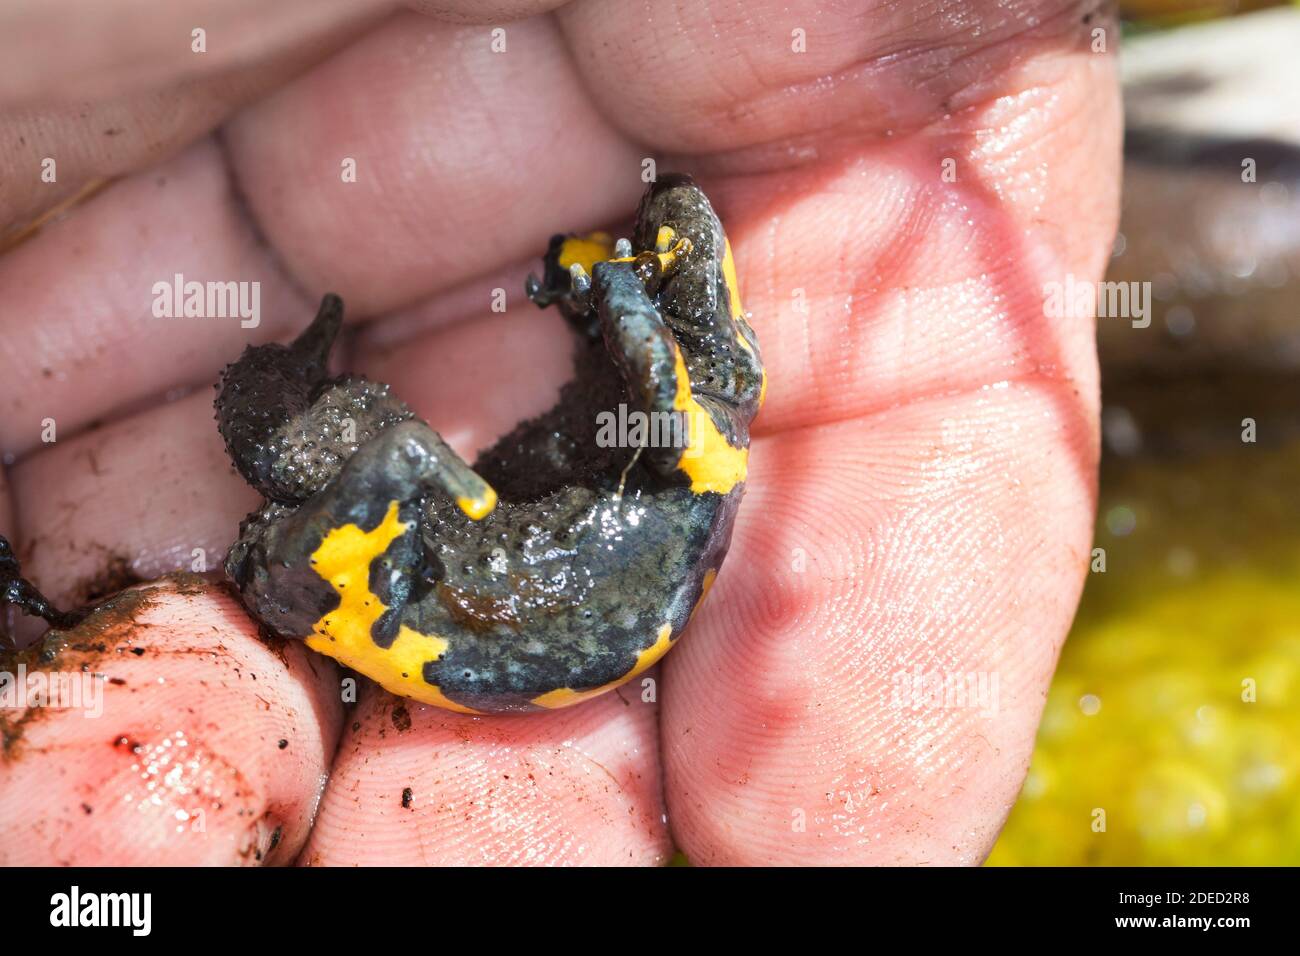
x: 571, y: 556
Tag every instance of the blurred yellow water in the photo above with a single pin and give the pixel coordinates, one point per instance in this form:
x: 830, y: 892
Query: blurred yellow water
x: 1166, y: 12
x: 1150, y: 719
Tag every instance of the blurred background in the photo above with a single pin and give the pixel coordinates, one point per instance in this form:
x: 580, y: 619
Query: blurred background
x: 1176, y: 706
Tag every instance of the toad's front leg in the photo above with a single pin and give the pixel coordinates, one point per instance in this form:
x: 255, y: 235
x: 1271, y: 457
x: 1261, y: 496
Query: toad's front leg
x: 357, y: 537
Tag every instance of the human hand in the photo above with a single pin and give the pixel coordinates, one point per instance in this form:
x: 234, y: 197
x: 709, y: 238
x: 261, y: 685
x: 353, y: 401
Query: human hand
x: 922, y: 475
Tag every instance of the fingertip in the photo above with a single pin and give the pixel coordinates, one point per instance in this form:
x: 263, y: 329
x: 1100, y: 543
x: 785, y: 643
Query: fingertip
x: 177, y: 738
x: 414, y: 785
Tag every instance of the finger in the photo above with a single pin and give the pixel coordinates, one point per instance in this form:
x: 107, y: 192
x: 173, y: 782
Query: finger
x: 492, y: 371
x: 428, y: 210
x: 946, y: 538
x: 130, y: 501
x: 416, y: 786
x: 79, y: 337
x: 203, y: 745
x: 482, y: 11
x: 56, y: 149
x: 74, y: 50
x: 740, y: 75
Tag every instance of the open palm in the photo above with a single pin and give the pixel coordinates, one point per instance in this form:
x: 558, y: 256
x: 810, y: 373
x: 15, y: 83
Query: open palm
x: 899, y: 181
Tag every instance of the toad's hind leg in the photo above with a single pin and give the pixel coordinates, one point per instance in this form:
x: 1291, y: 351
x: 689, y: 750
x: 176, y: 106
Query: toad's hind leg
x: 694, y: 435
x: 646, y: 354
x: 701, y: 293
x: 289, y: 427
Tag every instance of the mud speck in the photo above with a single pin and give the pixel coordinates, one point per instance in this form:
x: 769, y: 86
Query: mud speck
x: 77, y: 648
x: 189, y: 584
x: 115, y: 576
x: 401, y: 718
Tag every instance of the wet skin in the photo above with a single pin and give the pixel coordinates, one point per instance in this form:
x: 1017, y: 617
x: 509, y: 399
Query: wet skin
x: 571, y: 556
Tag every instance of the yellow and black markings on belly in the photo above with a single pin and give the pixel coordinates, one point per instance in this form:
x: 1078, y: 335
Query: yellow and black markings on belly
x: 738, y: 311
x: 709, y: 460
x: 343, y: 559
x: 645, y: 659
x: 345, y: 633
x: 565, y: 696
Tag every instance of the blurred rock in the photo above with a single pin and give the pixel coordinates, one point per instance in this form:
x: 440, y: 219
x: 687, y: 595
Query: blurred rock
x: 1211, y: 209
